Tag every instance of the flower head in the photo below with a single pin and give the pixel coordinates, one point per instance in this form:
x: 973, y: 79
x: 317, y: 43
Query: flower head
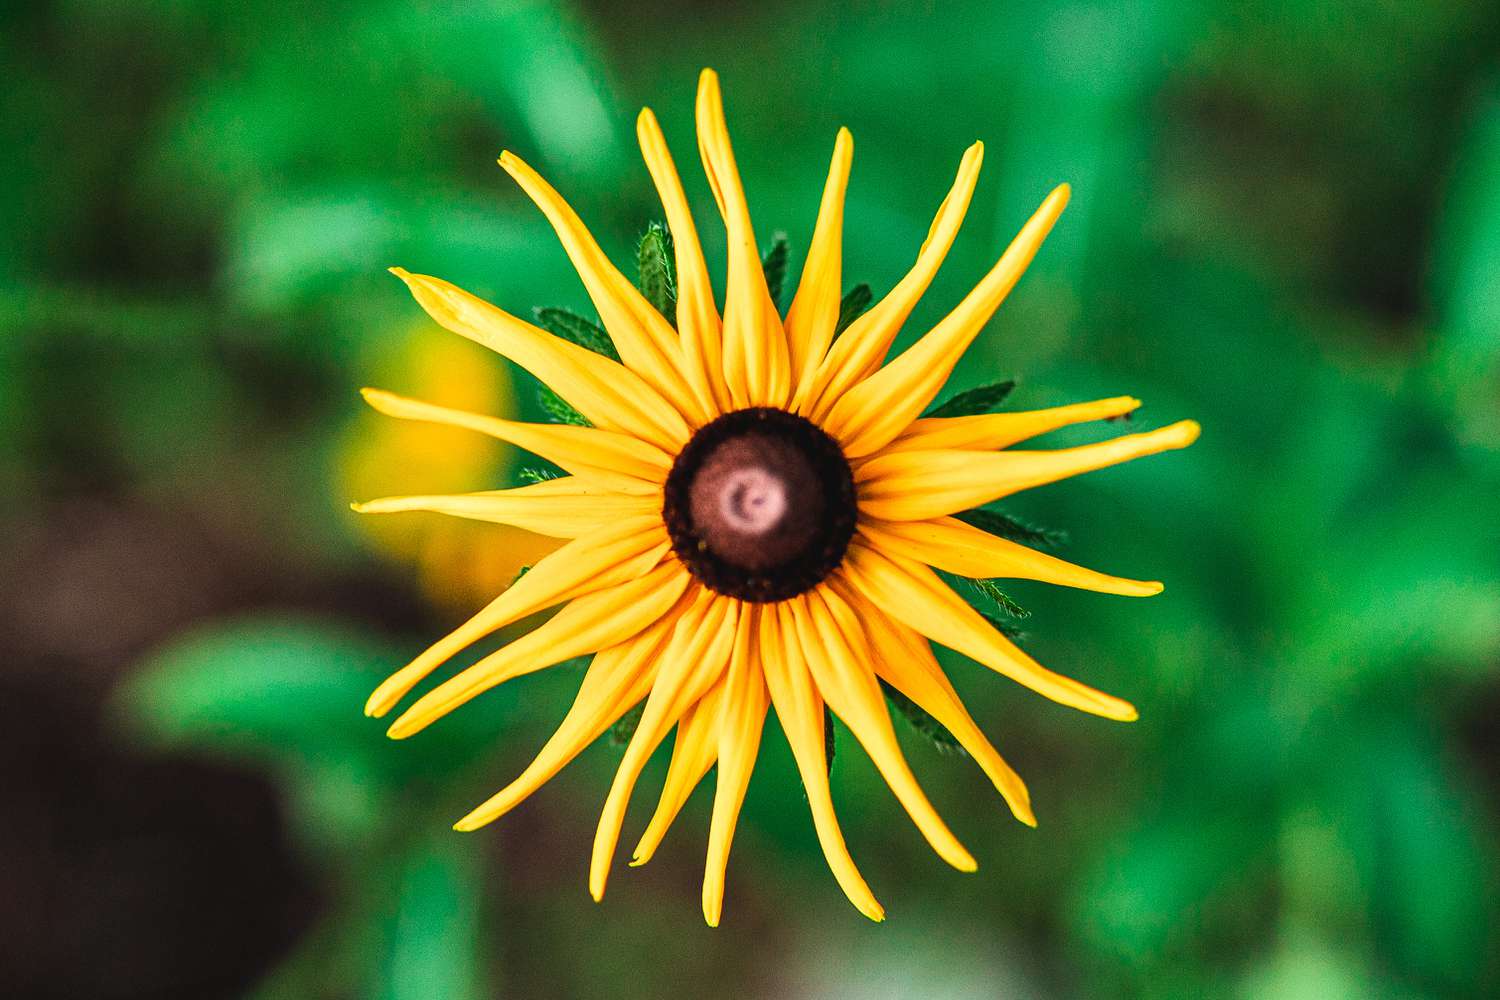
x: 755, y: 514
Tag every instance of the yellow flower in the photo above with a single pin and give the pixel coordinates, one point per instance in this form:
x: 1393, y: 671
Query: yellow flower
x: 755, y: 515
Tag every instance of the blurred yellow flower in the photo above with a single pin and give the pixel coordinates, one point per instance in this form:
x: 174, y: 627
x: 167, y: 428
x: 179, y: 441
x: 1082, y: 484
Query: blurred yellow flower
x: 755, y: 515
x: 459, y: 562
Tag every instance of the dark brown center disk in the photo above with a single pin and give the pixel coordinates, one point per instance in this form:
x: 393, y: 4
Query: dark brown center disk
x: 760, y: 505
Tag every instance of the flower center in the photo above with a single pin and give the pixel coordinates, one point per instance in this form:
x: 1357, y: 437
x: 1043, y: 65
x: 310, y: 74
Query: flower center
x: 760, y: 505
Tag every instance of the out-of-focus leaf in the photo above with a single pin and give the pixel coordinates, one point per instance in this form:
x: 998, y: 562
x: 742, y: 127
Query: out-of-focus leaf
x: 1468, y: 356
x: 1304, y: 966
x: 550, y: 76
x: 1132, y: 909
x: 1417, y: 839
x: 434, y: 947
x: 279, y: 684
x: 288, y: 693
x: 285, y: 692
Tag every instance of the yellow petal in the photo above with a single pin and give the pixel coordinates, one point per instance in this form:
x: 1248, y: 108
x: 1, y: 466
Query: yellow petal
x: 903, y: 659
x: 992, y: 431
x: 872, y: 413
x: 646, y: 341
x: 616, y: 554
x: 692, y: 662
x: 858, y: 352
x: 610, y: 395
x: 814, y: 312
x: 621, y: 462
x: 956, y: 547
x: 834, y: 643
x: 918, y: 485
x: 558, y: 508
x: 800, y: 710
x: 741, y: 720
x: 757, y: 367
x: 615, y: 682
x: 587, y: 624
x: 696, y: 749
x: 912, y: 594
x: 698, y: 323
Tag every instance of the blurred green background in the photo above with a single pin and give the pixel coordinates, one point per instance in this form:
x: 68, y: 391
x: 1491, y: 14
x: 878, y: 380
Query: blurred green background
x: 1286, y: 224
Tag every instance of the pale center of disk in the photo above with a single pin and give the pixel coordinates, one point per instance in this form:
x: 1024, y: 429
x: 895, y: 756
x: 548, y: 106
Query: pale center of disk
x: 753, y: 501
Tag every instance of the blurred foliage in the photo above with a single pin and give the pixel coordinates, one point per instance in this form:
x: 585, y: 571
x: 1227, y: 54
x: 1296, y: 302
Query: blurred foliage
x: 1286, y: 224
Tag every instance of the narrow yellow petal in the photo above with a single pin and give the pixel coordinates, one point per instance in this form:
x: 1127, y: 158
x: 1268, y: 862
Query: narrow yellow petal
x: 615, y: 682
x: 837, y: 651
x: 956, y: 547
x: 585, y: 625
x: 814, y: 312
x: 992, y: 431
x: 646, y: 341
x: 610, y: 395
x: 903, y: 659
x: 566, y: 512
x: 918, y: 485
x: 912, y: 594
x: 800, y: 710
x: 692, y: 662
x: 695, y: 751
x: 872, y: 413
x: 757, y: 367
x: 740, y: 725
x: 616, y: 554
x: 858, y: 352
x: 698, y: 323
x: 619, y: 461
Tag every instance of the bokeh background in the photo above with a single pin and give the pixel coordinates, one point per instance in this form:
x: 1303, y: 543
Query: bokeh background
x: 1286, y: 223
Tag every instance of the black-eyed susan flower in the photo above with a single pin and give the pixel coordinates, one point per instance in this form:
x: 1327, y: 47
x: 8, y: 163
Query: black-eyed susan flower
x: 755, y: 515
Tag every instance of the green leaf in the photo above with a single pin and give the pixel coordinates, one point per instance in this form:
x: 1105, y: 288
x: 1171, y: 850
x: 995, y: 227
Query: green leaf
x: 531, y: 474
x: 774, y: 266
x: 657, y: 278
x: 987, y: 598
x: 559, y: 409
x: 829, y: 742
x: 1002, y: 600
x: 984, y: 399
x: 1008, y: 527
x: 574, y: 328
x: 1005, y: 628
x: 853, y: 306
x: 922, y: 722
x: 624, y: 728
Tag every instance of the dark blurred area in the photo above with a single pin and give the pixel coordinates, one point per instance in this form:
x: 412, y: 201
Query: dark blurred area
x: 1286, y: 224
